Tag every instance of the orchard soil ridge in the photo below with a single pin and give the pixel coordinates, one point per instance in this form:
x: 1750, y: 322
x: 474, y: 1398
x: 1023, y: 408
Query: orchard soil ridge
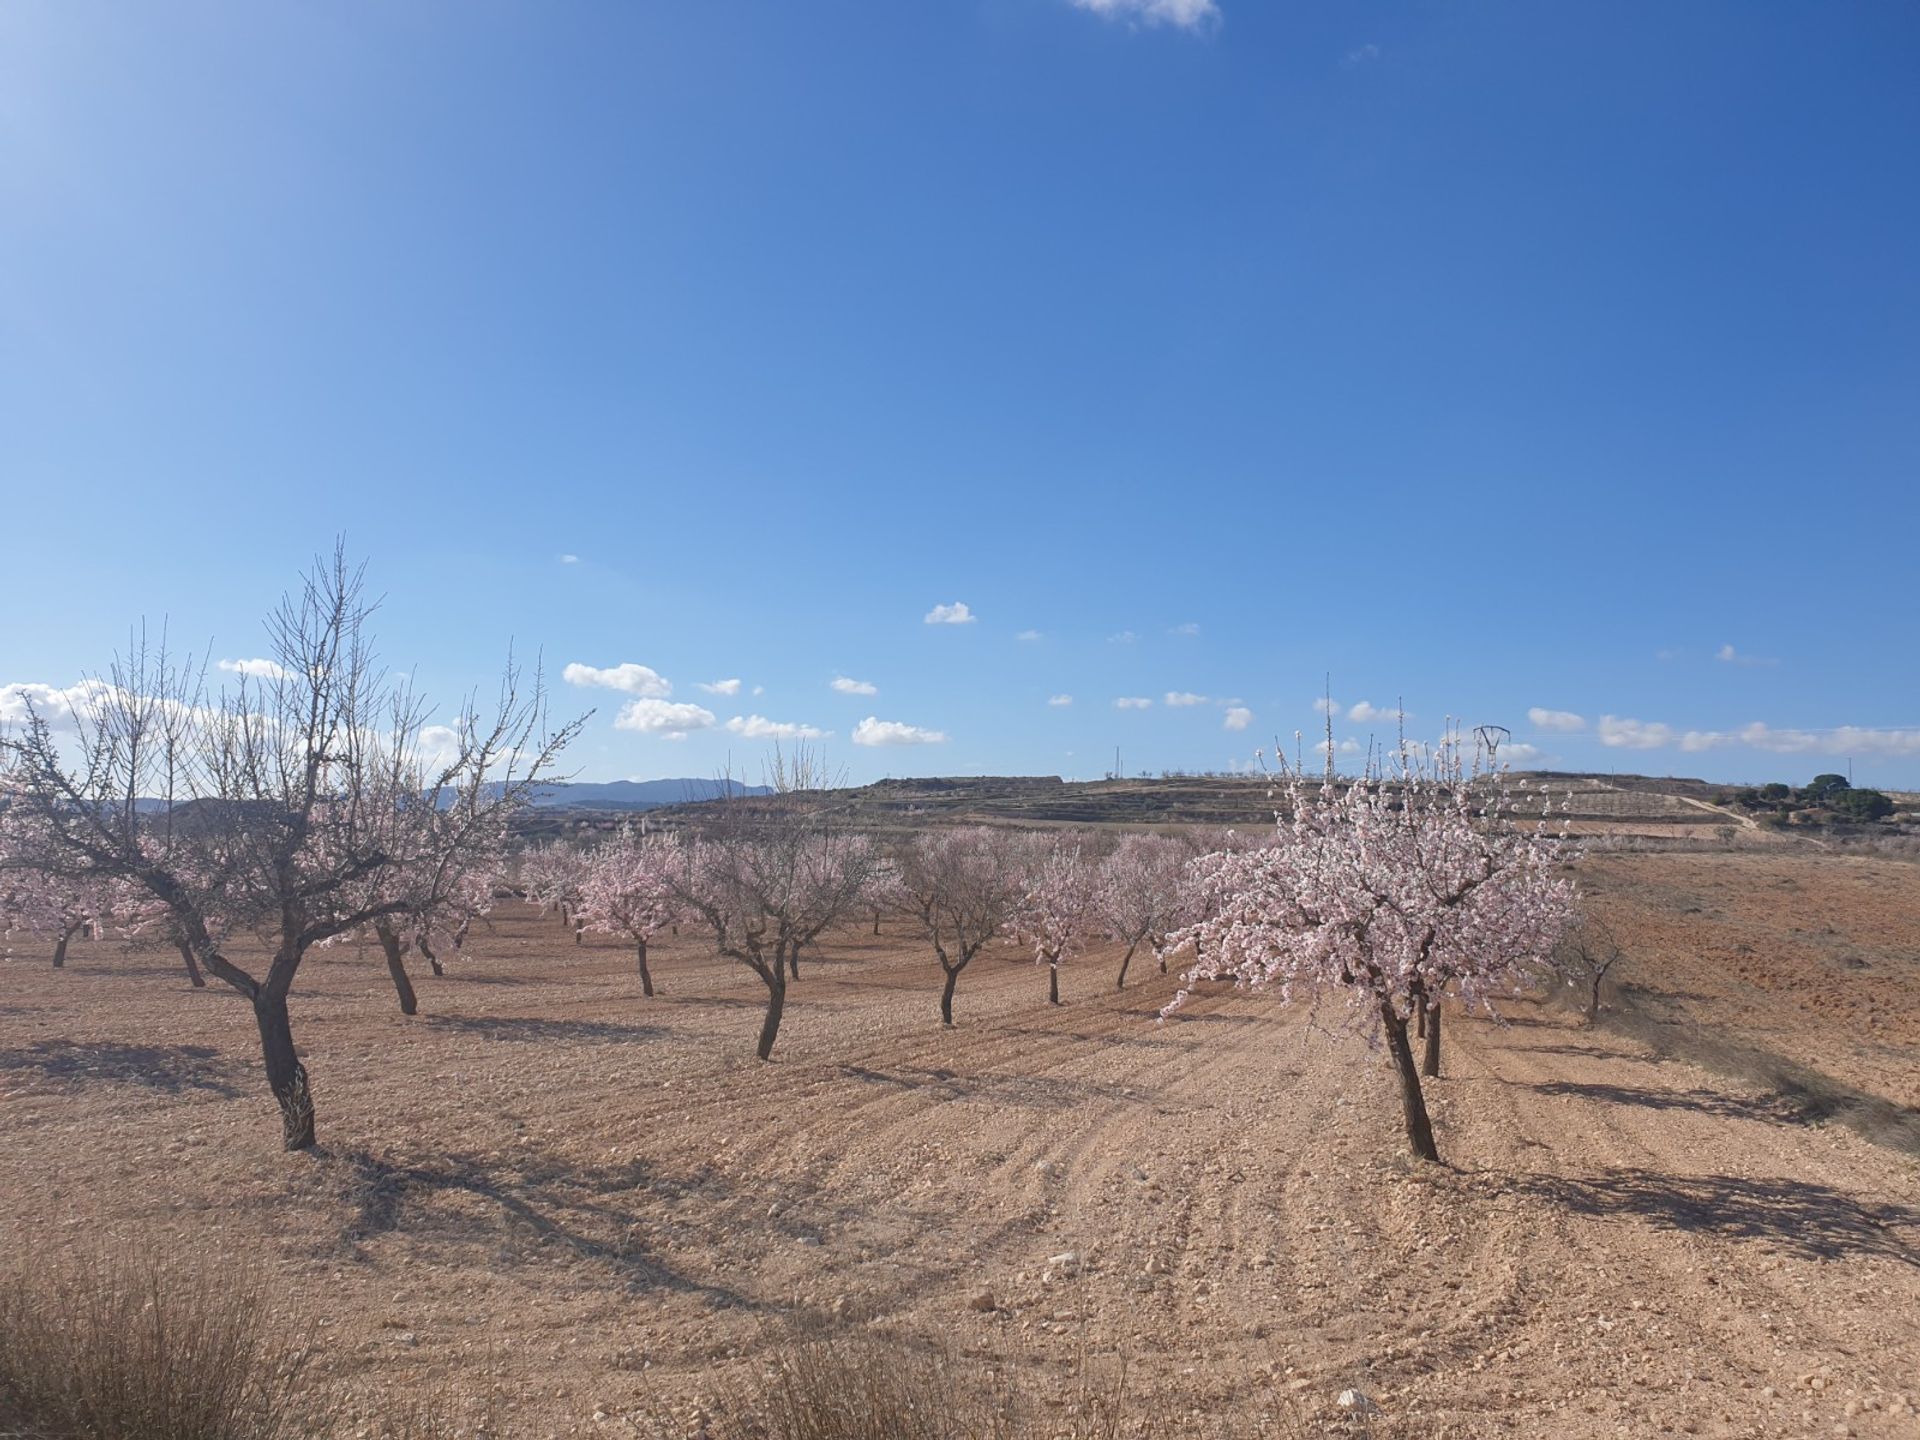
x: 551, y: 1191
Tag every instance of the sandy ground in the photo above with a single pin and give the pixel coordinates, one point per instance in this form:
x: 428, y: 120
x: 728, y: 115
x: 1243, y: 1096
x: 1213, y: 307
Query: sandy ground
x: 550, y: 1197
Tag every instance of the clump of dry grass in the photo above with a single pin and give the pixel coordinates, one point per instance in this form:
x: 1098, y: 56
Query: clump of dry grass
x: 892, y: 1387
x: 134, y: 1347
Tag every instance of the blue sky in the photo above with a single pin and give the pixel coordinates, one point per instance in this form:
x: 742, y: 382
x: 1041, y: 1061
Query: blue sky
x: 1548, y: 366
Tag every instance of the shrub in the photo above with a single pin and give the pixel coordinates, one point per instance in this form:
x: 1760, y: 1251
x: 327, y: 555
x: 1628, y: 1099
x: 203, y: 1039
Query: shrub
x: 892, y: 1387
x: 1861, y: 804
x: 132, y: 1347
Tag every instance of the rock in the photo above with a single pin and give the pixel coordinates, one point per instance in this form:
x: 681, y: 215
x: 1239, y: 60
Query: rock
x: 1357, y: 1402
x: 1065, y: 1260
x: 983, y: 1302
x: 1156, y: 1265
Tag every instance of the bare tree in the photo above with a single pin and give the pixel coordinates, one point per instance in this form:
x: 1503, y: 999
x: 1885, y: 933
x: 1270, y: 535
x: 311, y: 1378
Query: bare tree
x: 1586, y: 953
x: 286, y: 807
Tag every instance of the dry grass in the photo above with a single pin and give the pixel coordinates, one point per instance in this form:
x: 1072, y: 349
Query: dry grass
x: 901, y: 1387
x: 136, y: 1347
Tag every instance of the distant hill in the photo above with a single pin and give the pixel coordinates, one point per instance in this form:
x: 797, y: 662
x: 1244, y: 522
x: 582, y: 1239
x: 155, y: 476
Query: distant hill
x: 636, y: 794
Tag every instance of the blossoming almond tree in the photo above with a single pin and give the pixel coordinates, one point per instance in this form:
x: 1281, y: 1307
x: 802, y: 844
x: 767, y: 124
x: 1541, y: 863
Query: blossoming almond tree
x: 960, y: 887
x: 1389, y: 896
x: 768, y: 873
x: 1059, y: 913
x: 1140, y: 894
x: 627, y: 888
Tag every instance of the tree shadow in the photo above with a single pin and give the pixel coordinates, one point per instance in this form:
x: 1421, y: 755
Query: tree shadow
x: 521, y: 1027
x: 1590, y: 1052
x: 1028, y: 1092
x: 1802, y: 1218
x: 172, y: 1069
x: 1703, y: 1102
x: 552, y: 1203
x: 467, y: 977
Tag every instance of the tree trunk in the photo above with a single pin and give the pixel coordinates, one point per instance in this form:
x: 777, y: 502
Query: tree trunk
x: 776, y: 1002
x: 1593, y: 1002
x: 646, y: 975
x: 946, y: 995
x: 793, y: 961
x: 1431, y: 1065
x: 286, y: 1076
x: 1412, y: 1103
x: 1053, y: 983
x: 1419, y: 1015
x: 1125, y: 960
x: 433, y: 959
x: 876, y: 919
x: 578, y: 931
x: 193, y: 966
x: 402, y: 986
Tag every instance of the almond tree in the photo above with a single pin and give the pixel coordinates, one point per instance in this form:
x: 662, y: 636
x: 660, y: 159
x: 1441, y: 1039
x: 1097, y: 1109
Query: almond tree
x: 769, y: 873
x: 1586, y: 954
x: 959, y: 887
x: 628, y: 888
x: 1059, y: 912
x: 44, y: 902
x: 1140, y: 895
x: 275, y: 808
x: 1388, y: 896
x: 552, y: 875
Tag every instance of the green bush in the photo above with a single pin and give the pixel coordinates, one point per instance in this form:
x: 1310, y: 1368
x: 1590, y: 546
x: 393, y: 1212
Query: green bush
x: 1861, y: 804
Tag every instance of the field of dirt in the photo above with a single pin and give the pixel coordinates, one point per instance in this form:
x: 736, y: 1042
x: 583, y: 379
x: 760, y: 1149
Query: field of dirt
x: 551, y: 1200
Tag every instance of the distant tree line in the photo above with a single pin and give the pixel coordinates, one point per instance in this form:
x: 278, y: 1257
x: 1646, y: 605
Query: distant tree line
x: 1825, y: 797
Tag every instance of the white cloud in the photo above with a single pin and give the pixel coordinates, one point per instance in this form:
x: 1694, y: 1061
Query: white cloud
x: 53, y: 705
x: 758, y: 727
x: 1363, y: 712
x: 1634, y: 734
x: 569, y: 559
x: 1181, y: 14
x: 255, y: 669
x: 1238, y: 718
x: 759, y: 689
x: 1343, y: 747
x: 1326, y: 705
x: 1517, y: 752
x: 1363, y: 53
x: 871, y: 731
x: 667, y: 718
x: 1838, y: 740
x: 853, y: 687
x: 1132, y: 702
x: 1727, y: 655
x: 1191, y: 627
x: 1060, y: 700
x: 720, y: 687
x: 1841, y: 740
x: 1179, y: 698
x: 1124, y: 637
x: 1029, y: 636
x: 1564, y: 722
x: 954, y: 614
x: 634, y: 679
